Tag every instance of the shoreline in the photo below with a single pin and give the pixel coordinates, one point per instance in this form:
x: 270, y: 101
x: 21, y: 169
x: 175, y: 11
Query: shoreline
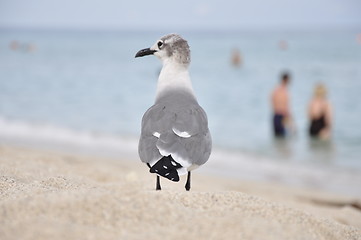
x: 230, y: 163
x: 238, y: 164
x: 61, y: 195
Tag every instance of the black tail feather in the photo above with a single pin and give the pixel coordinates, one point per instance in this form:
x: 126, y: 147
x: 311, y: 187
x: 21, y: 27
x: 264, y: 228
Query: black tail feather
x: 167, y: 167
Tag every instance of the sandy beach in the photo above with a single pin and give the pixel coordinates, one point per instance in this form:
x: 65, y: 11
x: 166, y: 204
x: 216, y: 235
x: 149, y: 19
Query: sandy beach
x: 52, y: 195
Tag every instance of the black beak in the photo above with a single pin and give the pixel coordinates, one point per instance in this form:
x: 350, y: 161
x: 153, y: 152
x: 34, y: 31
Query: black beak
x: 145, y: 52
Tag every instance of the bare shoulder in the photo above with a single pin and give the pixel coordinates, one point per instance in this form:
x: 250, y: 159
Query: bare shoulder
x: 275, y: 92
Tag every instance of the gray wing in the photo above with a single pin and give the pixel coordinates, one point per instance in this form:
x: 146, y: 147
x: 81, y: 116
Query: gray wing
x: 181, y: 131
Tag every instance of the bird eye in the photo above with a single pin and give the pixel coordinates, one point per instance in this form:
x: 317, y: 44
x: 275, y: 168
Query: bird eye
x: 160, y: 44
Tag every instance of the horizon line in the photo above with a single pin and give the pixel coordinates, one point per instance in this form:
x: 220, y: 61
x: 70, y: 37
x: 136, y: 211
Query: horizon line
x: 180, y: 29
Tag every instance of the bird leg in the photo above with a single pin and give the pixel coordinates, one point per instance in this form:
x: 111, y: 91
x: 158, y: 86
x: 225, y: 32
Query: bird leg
x: 157, y: 187
x: 188, y: 183
x: 158, y: 184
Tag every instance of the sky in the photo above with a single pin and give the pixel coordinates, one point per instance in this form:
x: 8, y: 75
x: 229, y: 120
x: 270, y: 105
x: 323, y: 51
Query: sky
x: 181, y: 14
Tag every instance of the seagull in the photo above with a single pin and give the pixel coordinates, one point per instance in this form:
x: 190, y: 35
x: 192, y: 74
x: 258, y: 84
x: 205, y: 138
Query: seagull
x: 175, y: 138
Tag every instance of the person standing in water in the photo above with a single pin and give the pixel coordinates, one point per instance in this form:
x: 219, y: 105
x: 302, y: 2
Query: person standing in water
x: 280, y: 106
x: 236, y: 58
x: 320, y: 114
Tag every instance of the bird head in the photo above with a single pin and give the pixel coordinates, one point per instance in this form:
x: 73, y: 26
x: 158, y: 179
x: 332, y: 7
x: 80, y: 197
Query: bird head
x: 171, y: 47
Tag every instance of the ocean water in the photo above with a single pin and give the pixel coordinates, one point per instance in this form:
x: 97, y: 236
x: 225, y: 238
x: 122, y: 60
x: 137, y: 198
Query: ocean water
x: 87, y: 88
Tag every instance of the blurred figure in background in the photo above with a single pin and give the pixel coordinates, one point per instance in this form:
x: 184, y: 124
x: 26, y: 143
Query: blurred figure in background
x: 320, y: 114
x: 236, y: 58
x: 283, y: 45
x: 280, y: 105
x: 14, y: 45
